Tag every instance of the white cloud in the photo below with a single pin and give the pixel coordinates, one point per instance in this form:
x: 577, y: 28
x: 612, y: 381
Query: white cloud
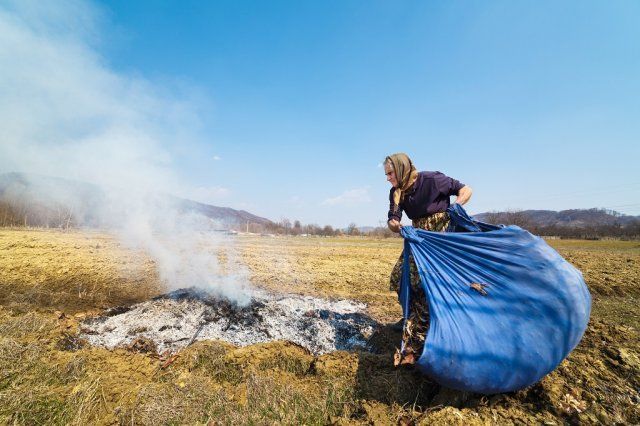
x: 349, y: 197
x: 217, y: 158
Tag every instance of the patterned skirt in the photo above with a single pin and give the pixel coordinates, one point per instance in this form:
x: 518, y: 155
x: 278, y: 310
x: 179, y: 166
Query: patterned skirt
x: 416, y: 326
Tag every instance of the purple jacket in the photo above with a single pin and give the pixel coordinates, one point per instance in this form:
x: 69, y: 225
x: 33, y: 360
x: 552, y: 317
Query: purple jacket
x: 430, y: 194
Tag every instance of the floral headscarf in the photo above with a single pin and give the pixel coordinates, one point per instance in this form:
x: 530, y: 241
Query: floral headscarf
x: 406, y: 174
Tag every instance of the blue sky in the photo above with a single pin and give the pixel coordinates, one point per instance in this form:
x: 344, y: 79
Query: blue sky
x: 535, y: 105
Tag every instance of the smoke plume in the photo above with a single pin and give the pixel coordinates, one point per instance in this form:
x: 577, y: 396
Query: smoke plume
x: 65, y: 112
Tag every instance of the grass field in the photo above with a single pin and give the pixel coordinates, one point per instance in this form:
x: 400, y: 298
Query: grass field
x: 51, y: 280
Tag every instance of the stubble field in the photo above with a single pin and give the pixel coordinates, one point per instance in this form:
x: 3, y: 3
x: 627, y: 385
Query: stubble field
x: 50, y: 281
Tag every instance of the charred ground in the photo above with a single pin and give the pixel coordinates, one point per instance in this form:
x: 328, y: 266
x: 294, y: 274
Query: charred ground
x: 51, y: 282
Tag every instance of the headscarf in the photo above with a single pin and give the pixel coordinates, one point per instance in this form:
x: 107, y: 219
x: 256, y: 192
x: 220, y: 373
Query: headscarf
x: 406, y: 175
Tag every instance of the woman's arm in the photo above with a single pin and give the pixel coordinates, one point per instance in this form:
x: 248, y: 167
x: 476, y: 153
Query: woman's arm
x: 463, y: 195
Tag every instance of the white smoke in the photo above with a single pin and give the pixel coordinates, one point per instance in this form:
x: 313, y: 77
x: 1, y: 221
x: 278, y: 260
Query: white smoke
x: 65, y: 112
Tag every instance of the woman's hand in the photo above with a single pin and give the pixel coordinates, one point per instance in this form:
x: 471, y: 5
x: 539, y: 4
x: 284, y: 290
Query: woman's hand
x: 394, y: 225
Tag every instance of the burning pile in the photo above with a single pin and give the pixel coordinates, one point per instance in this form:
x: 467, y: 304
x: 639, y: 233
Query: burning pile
x: 174, y: 320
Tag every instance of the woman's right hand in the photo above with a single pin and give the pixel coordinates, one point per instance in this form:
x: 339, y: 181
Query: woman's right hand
x: 394, y: 225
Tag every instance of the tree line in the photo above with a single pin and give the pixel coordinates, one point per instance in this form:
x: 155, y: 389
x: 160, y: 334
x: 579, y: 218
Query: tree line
x: 19, y: 213
x: 287, y: 227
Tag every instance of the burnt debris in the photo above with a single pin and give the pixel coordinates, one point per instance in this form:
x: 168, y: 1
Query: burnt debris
x: 174, y: 320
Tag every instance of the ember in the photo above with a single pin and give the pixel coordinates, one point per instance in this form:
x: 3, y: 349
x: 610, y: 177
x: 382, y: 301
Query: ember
x: 174, y: 320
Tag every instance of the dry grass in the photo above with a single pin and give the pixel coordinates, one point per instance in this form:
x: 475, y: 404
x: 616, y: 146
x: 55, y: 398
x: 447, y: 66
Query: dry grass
x: 70, y: 271
x: 49, y: 281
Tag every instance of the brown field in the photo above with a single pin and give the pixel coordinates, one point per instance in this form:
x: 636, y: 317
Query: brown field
x: 51, y: 280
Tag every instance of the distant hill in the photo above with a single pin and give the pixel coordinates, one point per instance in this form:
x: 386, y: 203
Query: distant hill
x: 575, y: 223
x: 226, y: 214
x: 34, y: 200
x: 575, y: 218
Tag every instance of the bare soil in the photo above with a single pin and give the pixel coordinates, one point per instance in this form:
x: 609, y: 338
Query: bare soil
x: 50, y: 281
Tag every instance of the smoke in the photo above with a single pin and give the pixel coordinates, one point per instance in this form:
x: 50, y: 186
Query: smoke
x: 65, y: 112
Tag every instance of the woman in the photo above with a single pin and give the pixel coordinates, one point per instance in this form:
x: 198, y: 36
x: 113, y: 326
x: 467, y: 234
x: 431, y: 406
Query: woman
x: 424, y: 197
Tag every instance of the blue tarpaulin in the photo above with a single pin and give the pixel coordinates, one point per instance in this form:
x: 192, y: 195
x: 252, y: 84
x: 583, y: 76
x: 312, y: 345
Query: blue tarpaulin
x: 535, y: 310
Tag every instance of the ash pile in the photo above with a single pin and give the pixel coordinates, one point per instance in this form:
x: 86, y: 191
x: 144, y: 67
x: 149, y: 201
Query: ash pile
x: 174, y: 320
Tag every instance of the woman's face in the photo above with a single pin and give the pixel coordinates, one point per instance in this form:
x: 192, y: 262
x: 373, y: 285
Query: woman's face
x: 391, y: 175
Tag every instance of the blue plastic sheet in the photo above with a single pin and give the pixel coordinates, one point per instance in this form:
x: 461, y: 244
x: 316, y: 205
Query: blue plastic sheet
x: 534, y: 313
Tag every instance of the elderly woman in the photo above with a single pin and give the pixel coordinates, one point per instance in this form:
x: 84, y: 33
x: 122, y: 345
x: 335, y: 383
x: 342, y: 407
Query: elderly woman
x: 424, y: 197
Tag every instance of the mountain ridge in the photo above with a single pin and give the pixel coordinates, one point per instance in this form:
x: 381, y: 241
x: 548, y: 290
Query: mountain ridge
x: 40, y: 200
x: 563, y: 218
